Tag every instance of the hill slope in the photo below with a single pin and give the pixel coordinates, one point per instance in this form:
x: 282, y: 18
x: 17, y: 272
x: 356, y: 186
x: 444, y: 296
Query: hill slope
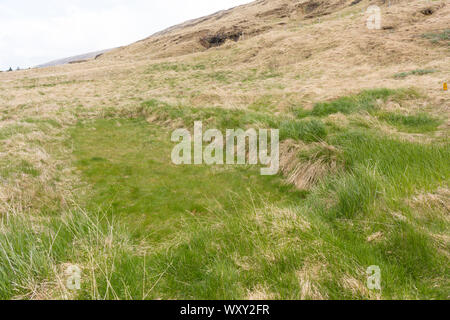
x: 364, y: 123
x: 74, y: 59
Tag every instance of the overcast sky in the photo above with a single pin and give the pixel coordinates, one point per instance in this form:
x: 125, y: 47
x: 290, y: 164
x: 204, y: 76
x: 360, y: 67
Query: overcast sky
x: 34, y: 32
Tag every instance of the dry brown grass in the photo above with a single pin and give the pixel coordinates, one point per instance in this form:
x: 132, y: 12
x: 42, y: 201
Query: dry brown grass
x: 260, y: 292
x: 305, y: 172
x: 328, y: 59
x: 440, y: 198
x: 308, y: 278
x: 358, y: 288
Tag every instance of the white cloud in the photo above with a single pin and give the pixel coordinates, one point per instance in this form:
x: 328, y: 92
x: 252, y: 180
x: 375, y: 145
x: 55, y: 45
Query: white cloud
x: 34, y: 32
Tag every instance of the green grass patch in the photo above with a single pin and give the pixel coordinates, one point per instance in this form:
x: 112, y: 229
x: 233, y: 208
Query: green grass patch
x: 306, y: 130
x: 220, y: 76
x: 206, y: 212
x: 36, y: 84
x: 263, y: 104
x: 380, y: 172
x: 212, y: 116
x: 35, y: 250
x: 199, y: 232
x: 166, y: 66
x: 437, y: 37
x: 408, y: 165
x: 43, y: 122
x: 417, y: 72
x: 8, y: 131
x: 416, y: 123
x: 256, y: 75
x: 153, y: 230
x: 377, y: 168
x: 300, y: 112
x: 9, y: 168
x: 364, y: 101
x: 141, y: 184
x: 176, y: 67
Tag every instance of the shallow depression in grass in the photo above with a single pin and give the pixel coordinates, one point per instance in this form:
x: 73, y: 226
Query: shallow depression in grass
x: 197, y: 220
x: 128, y: 163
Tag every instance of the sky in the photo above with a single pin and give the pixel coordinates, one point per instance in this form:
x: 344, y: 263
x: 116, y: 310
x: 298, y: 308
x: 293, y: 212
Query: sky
x: 35, y: 32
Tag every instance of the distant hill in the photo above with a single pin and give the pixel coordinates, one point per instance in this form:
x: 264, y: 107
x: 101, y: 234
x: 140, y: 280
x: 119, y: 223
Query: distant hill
x: 74, y: 59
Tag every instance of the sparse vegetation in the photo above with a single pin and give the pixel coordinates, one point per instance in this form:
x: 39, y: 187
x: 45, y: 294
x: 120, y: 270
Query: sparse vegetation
x: 418, y: 72
x: 437, y: 37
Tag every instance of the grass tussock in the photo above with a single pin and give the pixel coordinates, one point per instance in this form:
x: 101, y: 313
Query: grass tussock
x: 305, y: 165
x: 35, y: 269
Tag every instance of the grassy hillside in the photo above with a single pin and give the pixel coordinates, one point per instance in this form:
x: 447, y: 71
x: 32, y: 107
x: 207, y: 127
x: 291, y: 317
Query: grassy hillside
x: 86, y: 177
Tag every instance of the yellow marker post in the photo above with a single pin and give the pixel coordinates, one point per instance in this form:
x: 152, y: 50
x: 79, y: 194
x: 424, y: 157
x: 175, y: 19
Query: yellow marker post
x: 445, y: 86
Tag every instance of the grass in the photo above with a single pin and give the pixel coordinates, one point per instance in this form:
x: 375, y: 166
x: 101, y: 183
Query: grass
x: 35, y: 269
x: 86, y: 177
x: 204, y: 248
x: 306, y: 130
x: 258, y: 115
x: 417, y: 72
x: 143, y: 177
x: 369, y: 102
x: 163, y: 203
x: 204, y: 73
x: 161, y: 67
x: 364, y: 101
x: 436, y: 37
x: 408, y: 166
x: 147, y: 229
x: 36, y: 84
x: 379, y: 167
x: 255, y: 75
x: 219, y: 76
x: 18, y: 167
x: 11, y: 130
x: 415, y: 123
x: 263, y: 104
x: 381, y: 172
x: 212, y: 116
